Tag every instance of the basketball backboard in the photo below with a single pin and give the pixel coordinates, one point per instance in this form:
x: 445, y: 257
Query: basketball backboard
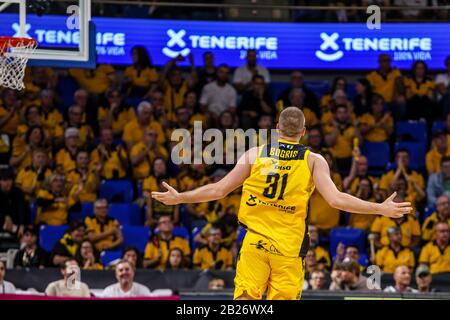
x: 63, y: 30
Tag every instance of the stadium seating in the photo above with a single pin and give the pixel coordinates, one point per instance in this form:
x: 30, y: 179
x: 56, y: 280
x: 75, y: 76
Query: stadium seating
x: 137, y: 236
x: 417, y: 130
x: 426, y: 213
x: 117, y: 191
x: 108, y: 256
x: 348, y: 236
x: 178, y: 231
x: 126, y: 213
x: 195, y: 232
x: 49, y: 236
x: 377, y: 154
x: 87, y: 209
x: 417, y: 152
x: 438, y: 125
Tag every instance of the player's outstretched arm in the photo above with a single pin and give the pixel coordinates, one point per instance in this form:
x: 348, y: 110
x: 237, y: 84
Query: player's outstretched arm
x: 212, y: 191
x: 345, y: 202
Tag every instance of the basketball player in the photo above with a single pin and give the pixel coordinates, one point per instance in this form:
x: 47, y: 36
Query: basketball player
x: 277, y: 184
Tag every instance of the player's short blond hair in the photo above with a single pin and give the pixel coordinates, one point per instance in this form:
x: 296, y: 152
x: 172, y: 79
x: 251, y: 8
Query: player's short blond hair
x: 291, y: 121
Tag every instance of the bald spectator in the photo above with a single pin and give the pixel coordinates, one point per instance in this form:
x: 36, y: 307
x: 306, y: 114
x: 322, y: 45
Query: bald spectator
x: 65, y: 157
x: 402, y: 279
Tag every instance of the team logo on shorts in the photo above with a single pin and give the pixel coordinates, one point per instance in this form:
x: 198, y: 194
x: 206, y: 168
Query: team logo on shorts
x: 251, y: 201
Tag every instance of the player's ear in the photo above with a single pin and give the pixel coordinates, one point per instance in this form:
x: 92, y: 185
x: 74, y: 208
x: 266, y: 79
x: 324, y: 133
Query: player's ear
x: 303, y: 131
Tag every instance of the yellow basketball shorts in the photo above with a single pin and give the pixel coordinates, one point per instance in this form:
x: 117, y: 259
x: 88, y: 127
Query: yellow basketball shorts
x: 260, y: 267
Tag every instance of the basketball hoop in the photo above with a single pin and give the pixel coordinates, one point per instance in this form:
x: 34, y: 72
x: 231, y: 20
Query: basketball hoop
x: 14, y: 55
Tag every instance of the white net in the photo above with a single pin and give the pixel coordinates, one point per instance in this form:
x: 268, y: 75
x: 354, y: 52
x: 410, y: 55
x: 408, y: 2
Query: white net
x: 14, y: 55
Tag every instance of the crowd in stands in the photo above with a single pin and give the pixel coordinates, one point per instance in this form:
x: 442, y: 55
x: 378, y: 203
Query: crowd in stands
x: 71, y: 132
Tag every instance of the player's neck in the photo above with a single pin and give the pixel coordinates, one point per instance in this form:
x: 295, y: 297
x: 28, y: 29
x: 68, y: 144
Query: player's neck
x: 290, y: 139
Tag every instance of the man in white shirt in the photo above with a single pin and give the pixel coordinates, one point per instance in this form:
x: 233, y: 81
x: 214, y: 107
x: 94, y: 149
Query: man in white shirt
x: 219, y: 96
x: 243, y: 75
x: 5, y: 286
x: 70, y: 285
x: 443, y: 80
x: 125, y: 287
x: 402, y: 278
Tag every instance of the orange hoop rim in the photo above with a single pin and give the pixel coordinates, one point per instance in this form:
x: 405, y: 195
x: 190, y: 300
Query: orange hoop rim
x: 13, y: 42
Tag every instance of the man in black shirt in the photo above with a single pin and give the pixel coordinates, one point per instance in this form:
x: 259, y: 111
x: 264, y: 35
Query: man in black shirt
x: 31, y: 256
x: 15, y: 211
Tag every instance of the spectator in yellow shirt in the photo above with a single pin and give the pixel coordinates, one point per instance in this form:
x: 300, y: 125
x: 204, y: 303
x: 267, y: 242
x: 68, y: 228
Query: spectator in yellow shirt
x: 420, y: 94
x: 88, y: 257
x: 9, y: 112
x: 31, y: 179
x: 65, y: 158
x: 103, y: 231
x: 439, y: 149
x: 213, y: 256
x: 144, y: 153
x: 112, y: 158
x: 378, y: 125
x: 95, y: 81
x: 402, y: 161
x: 22, y: 154
x: 141, y: 77
x: 385, y: 80
x: 52, y: 119
x: 436, y: 254
x: 340, y: 136
x: 156, y: 209
x: 358, y: 171
x: 365, y: 192
x: 394, y: 255
x: 134, y: 130
x: 85, y: 178
x: 408, y: 225
x: 174, y: 85
x: 54, y: 203
x: 116, y: 114
x: 442, y: 214
x: 322, y: 256
x: 75, y: 120
x: 157, y: 250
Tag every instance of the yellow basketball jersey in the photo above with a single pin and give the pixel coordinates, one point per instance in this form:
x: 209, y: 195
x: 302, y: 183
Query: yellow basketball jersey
x: 275, y: 197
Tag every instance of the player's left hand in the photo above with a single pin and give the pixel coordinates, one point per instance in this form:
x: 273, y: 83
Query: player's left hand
x: 170, y: 197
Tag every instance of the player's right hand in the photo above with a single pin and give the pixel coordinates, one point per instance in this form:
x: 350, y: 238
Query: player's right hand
x: 392, y: 209
x: 170, y: 197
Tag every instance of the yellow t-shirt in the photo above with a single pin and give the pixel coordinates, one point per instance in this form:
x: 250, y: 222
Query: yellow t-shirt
x: 384, y: 85
x: 174, y: 98
x: 50, y: 212
x: 10, y: 127
x: 29, y: 178
x: 66, y: 160
x: 428, y: 227
x: 141, y: 78
x: 90, y: 186
x: 409, y: 227
x: 96, y: 226
x: 420, y: 89
x: 362, y: 221
x: 205, y: 258
x: 95, y: 81
x: 433, y: 160
x: 387, y: 178
x: 435, y: 258
x: 280, y: 185
x: 388, y: 260
x: 126, y: 115
x: 344, y: 141
x: 142, y: 170
x: 133, y: 133
x: 157, y: 243
x: 112, y: 167
x: 376, y: 134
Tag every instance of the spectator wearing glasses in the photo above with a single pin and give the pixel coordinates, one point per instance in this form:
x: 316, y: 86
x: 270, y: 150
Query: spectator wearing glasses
x: 436, y: 254
x: 213, y: 256
x: 438, y: 182
x: 133, y: 255
x: 87, y: 256
x: 157, y: 250
x: 442, y: 214
x: 317, y: 280
x: 103, y: 231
